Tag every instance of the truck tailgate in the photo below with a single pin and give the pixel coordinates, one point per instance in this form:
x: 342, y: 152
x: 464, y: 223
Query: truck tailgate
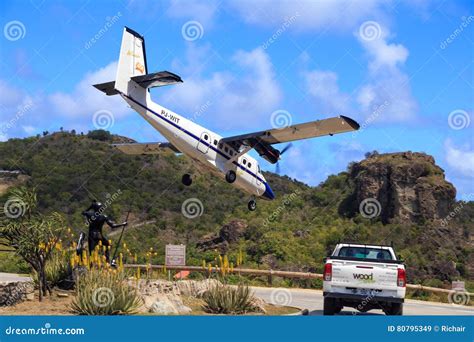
x: 364, y: 274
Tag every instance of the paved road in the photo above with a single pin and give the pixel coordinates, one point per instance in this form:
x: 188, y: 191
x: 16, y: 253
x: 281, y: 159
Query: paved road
x: 313, y: 301
x: 10, y: 277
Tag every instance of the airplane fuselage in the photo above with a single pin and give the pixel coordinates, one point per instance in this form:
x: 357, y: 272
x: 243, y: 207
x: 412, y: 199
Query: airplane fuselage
x: 202, y: 145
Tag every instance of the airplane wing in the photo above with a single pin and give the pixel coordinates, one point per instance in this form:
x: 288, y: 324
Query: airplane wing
x: 262, y: 140
x: 145, y: 148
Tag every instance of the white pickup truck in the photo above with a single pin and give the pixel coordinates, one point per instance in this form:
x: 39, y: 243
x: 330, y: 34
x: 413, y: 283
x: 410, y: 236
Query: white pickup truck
x: 364, y: 277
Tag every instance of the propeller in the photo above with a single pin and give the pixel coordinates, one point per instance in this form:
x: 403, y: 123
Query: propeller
x: 277, y: 166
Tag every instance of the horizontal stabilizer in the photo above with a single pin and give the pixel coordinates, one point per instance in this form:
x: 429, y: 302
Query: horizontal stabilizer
x: 145, y: 148
x: 157, y: 79
x: 108, y: 88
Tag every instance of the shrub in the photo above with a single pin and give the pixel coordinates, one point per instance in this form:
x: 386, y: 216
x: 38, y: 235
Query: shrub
x: 104, y: 292
x: 57, y: 270
x: 227, y: 299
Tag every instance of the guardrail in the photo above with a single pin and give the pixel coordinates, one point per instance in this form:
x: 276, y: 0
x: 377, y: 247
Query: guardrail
x: 272, y: 273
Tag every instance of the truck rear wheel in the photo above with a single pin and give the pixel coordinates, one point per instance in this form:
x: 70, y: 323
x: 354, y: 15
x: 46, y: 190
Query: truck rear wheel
x: 329, y: 307
x: 396, y: 309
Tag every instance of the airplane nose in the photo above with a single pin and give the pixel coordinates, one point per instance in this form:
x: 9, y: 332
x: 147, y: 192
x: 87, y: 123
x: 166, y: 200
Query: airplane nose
x: 268, y: 194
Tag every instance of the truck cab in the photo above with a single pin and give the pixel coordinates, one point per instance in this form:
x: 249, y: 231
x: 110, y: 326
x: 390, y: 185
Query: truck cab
x: 364, y: 277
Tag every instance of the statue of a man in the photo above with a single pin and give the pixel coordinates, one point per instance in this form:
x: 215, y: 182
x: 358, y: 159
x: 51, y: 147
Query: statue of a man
x: 96, y: 218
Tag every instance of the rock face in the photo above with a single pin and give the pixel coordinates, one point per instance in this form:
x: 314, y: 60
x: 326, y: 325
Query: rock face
x: 409, y: 186
x: 165, y: 297
x: 229, y: 233
x: 15, y: 289
x: 10, y: 179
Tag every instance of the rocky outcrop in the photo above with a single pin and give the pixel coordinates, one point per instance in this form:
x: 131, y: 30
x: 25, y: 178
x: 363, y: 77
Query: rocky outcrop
x: 229, y: 233
x: 409, y: 187
x: 165, y: 297
x: 15, y: 289
x: 11, y: 178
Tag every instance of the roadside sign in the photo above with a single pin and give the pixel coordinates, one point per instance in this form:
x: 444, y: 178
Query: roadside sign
x: 175, y: 255
x: 458, y: 286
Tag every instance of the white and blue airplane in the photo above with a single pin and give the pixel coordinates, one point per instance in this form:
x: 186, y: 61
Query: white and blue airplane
x: 226, y: 157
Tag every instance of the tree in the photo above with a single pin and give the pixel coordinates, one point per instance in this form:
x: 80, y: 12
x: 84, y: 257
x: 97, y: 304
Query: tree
x: 31, y: 233
x: 100, y: 134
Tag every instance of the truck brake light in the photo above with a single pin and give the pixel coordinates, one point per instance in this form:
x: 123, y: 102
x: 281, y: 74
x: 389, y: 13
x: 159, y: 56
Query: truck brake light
x: 401, y: 278
x: 327, y: 276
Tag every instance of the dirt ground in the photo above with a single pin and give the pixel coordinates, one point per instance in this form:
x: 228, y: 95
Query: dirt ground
x: 51, y: 305
x: 55, y: 305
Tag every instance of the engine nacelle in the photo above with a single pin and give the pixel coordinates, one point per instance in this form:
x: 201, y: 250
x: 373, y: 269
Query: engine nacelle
x: 266, y: 151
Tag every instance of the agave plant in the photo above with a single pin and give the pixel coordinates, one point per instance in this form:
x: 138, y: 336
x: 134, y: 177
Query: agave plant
x: 105, y: 292
x: 226, y: 299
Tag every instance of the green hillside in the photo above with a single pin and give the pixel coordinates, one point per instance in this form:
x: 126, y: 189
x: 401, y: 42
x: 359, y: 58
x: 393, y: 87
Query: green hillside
x: 294, y: 232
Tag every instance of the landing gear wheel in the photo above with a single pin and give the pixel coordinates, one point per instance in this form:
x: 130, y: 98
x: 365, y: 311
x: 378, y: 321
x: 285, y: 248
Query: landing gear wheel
x: 187, y: 180
x: 252, y: 205
x: 230, y: 176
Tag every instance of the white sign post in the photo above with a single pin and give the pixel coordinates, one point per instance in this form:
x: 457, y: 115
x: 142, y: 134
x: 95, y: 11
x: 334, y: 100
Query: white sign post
x: 175, y: 255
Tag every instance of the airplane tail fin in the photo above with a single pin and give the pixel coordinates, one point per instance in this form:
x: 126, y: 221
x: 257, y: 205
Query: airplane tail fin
x: 132, y: 60
x: 132, y: 72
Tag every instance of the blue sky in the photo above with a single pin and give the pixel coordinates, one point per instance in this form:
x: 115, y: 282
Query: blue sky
x: 403, y: 69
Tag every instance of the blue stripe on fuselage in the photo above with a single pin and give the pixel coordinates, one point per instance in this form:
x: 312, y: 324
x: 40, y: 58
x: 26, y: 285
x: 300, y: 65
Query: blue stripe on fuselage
x: 268, y: 194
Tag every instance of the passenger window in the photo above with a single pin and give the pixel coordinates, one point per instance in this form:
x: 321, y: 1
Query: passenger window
x: 220, y: 145
x: 215, y: 142
x: 245, y: 161
x: 250, y: 165
x: 231, y: 152
x: 226, y: 149
x: 206, y: 137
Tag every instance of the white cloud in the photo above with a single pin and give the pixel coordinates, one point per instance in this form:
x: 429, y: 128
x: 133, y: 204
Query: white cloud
x: 85, y: 100
x: 323, y: 86
x: 30, y: 130
x: 248, y: 97
x: 459, y: 159
x: 312, y: 15
x: 202, y: 11
x: 11, y: 96
x: 388, y: 85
